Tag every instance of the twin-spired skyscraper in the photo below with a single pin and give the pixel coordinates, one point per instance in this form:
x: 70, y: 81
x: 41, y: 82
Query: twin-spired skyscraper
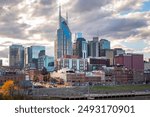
x: 63, y: 42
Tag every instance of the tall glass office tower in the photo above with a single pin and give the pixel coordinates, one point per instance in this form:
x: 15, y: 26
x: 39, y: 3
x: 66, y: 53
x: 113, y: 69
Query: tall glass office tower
x: 16, y: 56
x: 63, y: 42
x: 104, y: 44
x: 32, y: 54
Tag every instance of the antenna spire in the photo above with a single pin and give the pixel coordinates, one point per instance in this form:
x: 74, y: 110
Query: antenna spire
x: 59, y: 16
x: 67, y: 17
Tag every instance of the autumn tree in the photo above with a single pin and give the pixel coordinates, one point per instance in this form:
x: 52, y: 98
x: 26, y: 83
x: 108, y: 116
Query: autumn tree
x: 8, y: 88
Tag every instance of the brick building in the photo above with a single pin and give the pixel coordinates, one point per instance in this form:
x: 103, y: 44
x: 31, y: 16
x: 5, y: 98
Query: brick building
x: 96, y: 63
x: 123, y: 75
x: 11, y: 75
x: 78, y: 77
x: 131, y: 61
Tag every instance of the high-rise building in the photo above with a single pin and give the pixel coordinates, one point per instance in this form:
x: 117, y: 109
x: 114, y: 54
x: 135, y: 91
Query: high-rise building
x: 109, y: 54
x: 32, y: 54
x: 78, y: 35
x: 63, y: 43
x: 84, y: 49
x: 81, y: 48
x: 27, y: 56
x: 16, y: 56
x: 93, y: 47
x: 74, y: 48
x: 1, y: 63
x: 103, y: 44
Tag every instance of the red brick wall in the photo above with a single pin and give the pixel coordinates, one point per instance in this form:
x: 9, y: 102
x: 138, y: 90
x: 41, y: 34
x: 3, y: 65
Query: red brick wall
x: 12, y: 77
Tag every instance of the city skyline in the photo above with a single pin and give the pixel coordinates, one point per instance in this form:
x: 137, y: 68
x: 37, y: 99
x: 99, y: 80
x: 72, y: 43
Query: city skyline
x: 34, y: 22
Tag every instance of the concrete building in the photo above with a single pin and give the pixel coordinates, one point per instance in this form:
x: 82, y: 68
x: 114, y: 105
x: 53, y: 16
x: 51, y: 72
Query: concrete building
x: 138, y: 77
x: 147, y: 76
x: 1, y: 63
x: 84, y: 50
x: 74, y: 49
x: 16, y: 56
x: 93, y: 47
x: 109, y: 54
x: 71, y: 62
x: 96, y: 63
x: 79, y: 78
x: 131, y: 61
x: 146, y: 65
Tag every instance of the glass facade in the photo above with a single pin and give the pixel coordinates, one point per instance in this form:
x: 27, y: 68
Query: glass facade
x: 47, y: 62
x: 104, y: 44
x: 16, y: 56
x: 81, y: 48
x: 33, y: 53
x: 63, y: 43
x: 93, y: 47
x: 36, y: 50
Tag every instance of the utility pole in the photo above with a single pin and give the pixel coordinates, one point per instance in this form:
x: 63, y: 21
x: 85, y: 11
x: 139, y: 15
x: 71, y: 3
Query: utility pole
x: 88, y: 90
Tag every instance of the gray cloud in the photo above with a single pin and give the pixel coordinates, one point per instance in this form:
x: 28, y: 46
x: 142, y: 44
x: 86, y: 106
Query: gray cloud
x: 8, y: 2
x: 88, y: 5
x: 4, y: 53
x: 47, y: 2
x: 44, y: 8
x: 92, y: 17
x: 13, y: 30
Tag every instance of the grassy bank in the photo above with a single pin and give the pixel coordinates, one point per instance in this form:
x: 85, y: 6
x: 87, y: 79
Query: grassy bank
x: 121, y: 88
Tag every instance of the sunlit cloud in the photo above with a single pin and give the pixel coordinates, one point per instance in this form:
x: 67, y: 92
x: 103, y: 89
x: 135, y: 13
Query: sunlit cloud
x: 62, y: 2
x: 29, y: 22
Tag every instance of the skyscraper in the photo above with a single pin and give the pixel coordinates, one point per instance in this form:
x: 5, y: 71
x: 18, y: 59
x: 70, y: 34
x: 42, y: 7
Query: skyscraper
x: 1, y: 63
x: 104, y: 44
x: 16, y: 56
x: 63, y: 43
x: 93, y: 47
x: 32, y: 54
x: 81, y: 48
x: 109, y: 54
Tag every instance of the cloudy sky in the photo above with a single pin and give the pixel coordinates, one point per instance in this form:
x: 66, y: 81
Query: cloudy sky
x: 126, y: 23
